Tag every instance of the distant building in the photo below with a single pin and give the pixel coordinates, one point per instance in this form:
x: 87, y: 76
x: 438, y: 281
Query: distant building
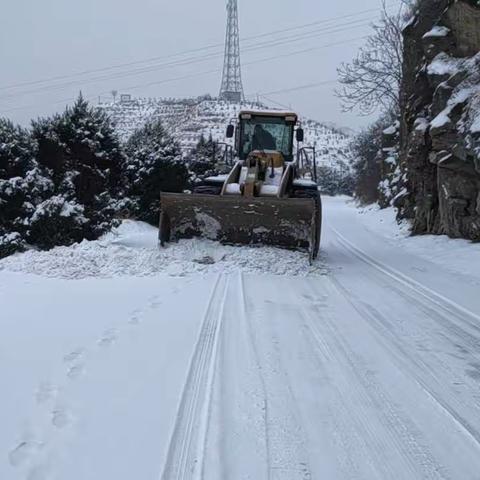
x: 125, y: 98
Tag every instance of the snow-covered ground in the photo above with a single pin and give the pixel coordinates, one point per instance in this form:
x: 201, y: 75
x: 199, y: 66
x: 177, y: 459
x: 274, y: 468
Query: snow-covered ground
x: 457, y: 255
x: 114, y: 364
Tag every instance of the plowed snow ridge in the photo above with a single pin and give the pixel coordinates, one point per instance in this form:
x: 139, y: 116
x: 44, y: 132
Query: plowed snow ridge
x: 132, y: 250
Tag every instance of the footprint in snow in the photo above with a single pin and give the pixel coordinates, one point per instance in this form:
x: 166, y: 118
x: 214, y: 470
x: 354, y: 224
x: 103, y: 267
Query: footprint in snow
x: 135, y: 316
x: 109, y: 337
x: 307, y: 296
x: 23, y: 452
x: 45, y: 393
x: 61, y: 417
x: 155, y: 302
x: 319, y: 304
x: 74, y: 355
x: 134, y: 320
x: 75, y: 371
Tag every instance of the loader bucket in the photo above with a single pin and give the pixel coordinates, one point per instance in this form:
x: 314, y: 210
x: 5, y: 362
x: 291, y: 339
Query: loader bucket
x: 292, y: 223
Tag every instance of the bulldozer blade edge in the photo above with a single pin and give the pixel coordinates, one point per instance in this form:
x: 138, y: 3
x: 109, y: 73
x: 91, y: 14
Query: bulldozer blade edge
x: 291, y: 223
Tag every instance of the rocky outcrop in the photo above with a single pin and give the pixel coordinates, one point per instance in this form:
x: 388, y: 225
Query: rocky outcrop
x: 391, y: 189
x: 440, y: 118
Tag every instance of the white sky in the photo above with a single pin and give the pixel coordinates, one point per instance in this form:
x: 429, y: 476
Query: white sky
x: 49, y: 38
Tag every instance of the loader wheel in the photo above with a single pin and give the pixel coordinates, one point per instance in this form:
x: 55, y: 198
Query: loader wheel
x: 164, y: 229
x: 305, y: 193
x: 318, y: 226
x: 317, y: 221
x: 208, y: 189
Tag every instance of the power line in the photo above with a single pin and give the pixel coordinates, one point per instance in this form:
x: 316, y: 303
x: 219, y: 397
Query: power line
x: 265, y: 45
x: 301, y: 87
x: 197, y: 74
x: 139, y: 62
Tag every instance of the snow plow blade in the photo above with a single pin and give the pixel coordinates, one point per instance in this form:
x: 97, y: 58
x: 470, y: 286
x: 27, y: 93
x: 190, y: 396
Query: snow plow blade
x: 292, y: 223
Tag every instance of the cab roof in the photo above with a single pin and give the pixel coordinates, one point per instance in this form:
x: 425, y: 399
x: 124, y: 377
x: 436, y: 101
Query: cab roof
x: 268, y: 113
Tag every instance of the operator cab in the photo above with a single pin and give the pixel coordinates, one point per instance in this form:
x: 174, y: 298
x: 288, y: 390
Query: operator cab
x: 265, y: 131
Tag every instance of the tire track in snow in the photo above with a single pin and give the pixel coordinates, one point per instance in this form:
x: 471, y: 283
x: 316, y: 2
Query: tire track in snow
x: 432, y: 307
x: 367, y: 389
x: 251, y: 336
x: 186, y: 450
x: 286, y: 442
x: 346, y: 433
x: 446, y: 304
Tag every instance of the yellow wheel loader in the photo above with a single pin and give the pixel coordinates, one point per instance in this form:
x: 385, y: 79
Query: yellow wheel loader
x: 269, y: 196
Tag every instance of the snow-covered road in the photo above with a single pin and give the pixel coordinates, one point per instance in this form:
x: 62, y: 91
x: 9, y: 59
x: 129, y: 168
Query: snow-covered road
x: 367, y: 368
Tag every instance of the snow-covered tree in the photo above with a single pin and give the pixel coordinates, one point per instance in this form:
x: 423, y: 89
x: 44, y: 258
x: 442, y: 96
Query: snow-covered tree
x: 154, y: 164
x: 367, y: 151
x: 83, y: 154
x: 202, y: 158
x: 337, y: 180
x: 23, y: 185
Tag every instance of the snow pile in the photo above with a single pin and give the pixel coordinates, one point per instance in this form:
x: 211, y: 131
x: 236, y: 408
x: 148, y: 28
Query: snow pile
x: 132, y: 250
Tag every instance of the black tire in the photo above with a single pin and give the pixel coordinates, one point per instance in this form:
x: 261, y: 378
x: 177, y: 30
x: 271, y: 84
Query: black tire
x: 208, y: 189
x: 164, y: 229
x: 318, y: 228
x: 305, y: 193
x: 317, y: 234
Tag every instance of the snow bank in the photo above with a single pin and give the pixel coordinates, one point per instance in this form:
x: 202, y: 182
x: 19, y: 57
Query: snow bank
x: 455, y: 255
x: 132, y: 250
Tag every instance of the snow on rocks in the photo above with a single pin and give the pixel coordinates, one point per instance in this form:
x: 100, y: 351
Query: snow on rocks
x: 444, y: 64
x: 437, y: 31
x: 458, y: 98
x: 132, y: 250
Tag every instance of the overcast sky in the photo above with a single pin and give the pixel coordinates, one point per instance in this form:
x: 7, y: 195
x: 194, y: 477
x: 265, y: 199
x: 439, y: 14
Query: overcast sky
x: 40, y: 40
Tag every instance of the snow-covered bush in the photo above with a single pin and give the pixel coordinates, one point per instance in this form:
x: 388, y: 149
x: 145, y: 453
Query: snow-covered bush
x: 11, y: 243
x: 154, y: 164
x: 57, y: 221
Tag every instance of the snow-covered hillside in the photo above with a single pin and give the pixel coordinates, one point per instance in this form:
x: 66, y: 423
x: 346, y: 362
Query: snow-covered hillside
x: 188, y: 119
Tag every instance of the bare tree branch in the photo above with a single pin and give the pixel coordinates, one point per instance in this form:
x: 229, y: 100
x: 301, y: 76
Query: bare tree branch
x: 372, y: 80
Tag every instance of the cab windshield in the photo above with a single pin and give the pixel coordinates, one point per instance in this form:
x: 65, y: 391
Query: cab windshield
x: 264, y: 133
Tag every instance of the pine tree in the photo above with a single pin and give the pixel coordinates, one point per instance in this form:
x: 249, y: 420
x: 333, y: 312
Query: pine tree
x: 154, y: 164
x: 202, y: 159
x: 83, y: 153
x: 23, y: 185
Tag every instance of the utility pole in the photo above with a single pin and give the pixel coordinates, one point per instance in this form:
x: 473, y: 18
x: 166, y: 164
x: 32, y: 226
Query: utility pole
x: 232, y: 88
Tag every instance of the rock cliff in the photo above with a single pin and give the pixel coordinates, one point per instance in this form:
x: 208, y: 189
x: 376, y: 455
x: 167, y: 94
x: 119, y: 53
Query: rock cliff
x: 440, y: 118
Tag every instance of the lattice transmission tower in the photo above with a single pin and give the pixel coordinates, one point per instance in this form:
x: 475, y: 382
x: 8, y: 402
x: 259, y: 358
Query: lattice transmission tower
x: 232, y: 88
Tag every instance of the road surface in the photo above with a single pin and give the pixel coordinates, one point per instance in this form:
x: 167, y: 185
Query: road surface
x: 371, y: 371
